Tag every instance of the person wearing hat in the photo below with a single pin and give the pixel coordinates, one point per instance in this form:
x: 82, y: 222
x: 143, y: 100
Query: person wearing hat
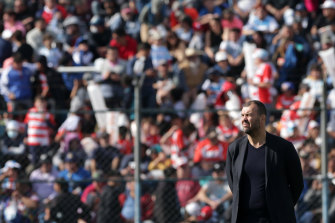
x: 12, y: 145
x: 99, y: 36
x: 194, y: 70
x: 221, y: 67
x: 9, y: 174
x: 327, y: 18
x: 76, y: 175
x: 127, y: 18
x: 261, y: 83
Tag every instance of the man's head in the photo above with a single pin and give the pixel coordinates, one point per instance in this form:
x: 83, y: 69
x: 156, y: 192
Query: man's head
x: 17, y: 61
x: 253, y: 117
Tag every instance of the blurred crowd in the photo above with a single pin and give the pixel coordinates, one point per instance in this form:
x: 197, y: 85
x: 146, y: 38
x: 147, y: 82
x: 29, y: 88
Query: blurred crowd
x: 197, y: 62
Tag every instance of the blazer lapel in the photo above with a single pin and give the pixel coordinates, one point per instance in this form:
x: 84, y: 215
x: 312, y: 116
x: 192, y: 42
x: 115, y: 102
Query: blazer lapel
x: 240, y: 157
x: 269, y: 156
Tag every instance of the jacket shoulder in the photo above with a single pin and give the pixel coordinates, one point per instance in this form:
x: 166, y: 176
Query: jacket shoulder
x: 235, y: 144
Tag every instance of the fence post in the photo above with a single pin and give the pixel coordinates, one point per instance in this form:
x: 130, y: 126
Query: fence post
x: 324, y: 166
x: 138, y: 81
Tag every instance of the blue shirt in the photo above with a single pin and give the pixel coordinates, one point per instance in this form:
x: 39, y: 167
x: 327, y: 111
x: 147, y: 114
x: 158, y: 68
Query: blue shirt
x: 16, y: 82
x: 75, y: 178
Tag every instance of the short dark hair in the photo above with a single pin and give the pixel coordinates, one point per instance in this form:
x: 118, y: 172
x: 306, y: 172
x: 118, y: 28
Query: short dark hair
x: 261, y: 109
x: 17, y: 57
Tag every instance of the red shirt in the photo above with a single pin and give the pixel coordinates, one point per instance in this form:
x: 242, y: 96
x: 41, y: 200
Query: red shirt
x: 38, y: 129
x: 209, y: 152
x: 47, y: 15
x: 186, y: 189
x: 226, y: 133
x: 263, y: 75
x: 125, y: 146
x: 125, y: 51
x: 152, y: 140
x: 191, y: 12
x: 284, y: 102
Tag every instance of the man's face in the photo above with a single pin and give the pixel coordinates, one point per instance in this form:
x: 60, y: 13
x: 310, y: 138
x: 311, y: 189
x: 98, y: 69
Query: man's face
x: 250, y: 119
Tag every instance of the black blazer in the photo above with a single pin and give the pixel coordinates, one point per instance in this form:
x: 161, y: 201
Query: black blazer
x: 283, y: 176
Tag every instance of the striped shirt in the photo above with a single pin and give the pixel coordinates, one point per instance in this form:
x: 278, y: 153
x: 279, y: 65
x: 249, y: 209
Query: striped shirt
x: 38, y: 127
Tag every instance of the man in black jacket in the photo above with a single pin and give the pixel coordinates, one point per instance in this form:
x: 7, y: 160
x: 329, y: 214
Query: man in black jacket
x: 263, y: 171
x: 109, y: 208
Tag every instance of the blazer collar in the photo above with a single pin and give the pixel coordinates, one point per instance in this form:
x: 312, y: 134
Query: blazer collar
x: 269, y: 156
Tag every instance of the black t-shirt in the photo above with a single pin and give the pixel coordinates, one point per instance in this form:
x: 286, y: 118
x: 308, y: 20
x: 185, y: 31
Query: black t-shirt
x: 252, y: 191
x: 322, y: 21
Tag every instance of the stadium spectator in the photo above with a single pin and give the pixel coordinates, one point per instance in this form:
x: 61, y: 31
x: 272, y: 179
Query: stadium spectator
x: 260, y: 20
x: 216, y: 193
x: 65, y: 207
x: 51, y: 10
x: 210, y: 149
x: 105, y: 157
x: 226, y: 130
x: 175, y: 46
x: 263, y: 79
x: 186, y: 188
x: 125, y: 44
x: 127, y: 18
x: 16, y: 85
x: 12, y: 144
x: 5, y: 48
x: 126, y: 200
x: 76, y: 176
x: 213, y: 38
x: 91, y: 196
x: 39, y: 129
x: 11, y: 24
x: 112, y: 62
x: 52, y: 53
x: 109, y: 209
x: 194, y: 70
x: 166, y: 207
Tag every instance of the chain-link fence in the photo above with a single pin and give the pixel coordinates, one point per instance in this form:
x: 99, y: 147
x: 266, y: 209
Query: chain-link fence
x: 111, y: 199
x: 86, y: 171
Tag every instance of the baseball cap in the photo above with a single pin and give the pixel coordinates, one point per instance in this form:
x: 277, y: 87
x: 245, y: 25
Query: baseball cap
x: 228, y: 86
x: 10, y: 164
x: 328, y: 4
x: 287, y: 86
x: 193, y: 209
x: 220, y: 56
x: 44, y: 158
x: 218, y: 166
x: 205, y: 213
x: 97, y: 21
x: 71, y: 20
x: 313, y: 124
x: 260, y: 54
x: 71, y: 158
x: 300, y: 7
